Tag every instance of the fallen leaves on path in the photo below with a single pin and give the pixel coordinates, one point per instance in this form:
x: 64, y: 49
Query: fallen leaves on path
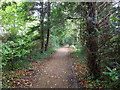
x: 54, y: 73
x: 21, y: 78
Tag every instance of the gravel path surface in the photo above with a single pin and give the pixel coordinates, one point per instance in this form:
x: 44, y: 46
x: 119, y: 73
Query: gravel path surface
x: 57, y: 72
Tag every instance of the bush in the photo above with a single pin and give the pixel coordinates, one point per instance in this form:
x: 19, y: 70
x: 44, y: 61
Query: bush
x: 13, y: 51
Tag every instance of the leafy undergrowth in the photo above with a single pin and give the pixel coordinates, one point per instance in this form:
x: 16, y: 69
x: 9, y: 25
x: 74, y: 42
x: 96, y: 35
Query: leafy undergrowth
x: 83, y: 78
x: 87, y: 81
x: 23, y: 77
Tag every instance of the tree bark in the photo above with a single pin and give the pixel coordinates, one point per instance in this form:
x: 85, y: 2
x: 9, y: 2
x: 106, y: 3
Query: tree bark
x: 42, y: 28
x: 48, y: 30
x: 91, y: 43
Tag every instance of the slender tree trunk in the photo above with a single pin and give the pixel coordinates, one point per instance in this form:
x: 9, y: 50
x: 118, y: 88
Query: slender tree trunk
x: 91, y: 44
x: 42, y: 28
x: 48, y: 30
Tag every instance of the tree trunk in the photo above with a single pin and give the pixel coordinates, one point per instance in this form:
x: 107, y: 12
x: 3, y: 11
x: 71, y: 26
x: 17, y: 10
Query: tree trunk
x: 91, y: 44
x: 42, y: 28
x: 48, y: 30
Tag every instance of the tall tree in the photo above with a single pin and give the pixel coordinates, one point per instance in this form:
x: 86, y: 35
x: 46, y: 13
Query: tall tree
x: 48, y: 27
x: 42, y: 27
x: 91, y: 43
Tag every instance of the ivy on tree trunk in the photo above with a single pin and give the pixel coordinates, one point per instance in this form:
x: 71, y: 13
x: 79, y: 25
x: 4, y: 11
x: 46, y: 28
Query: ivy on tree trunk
x: 92, y: 45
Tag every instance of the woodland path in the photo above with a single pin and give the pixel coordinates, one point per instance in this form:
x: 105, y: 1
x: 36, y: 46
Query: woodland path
x: 57, y: 71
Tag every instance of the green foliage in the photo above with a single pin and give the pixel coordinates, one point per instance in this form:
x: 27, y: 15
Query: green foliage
x: 113, y: 76
x: 112, y: 80
x: 112, y: 73
x: 81, y: 55
x: 13, y: 51
x: 110, y: 53
x: 16, y: 45
x: 67, y: 26
x: 37, y: 56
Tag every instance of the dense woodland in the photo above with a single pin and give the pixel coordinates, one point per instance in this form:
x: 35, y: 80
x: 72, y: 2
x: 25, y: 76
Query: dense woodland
x: 31, y: 31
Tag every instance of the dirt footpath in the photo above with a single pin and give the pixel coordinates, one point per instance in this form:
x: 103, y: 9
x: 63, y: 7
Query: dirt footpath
x: 57, y: 72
